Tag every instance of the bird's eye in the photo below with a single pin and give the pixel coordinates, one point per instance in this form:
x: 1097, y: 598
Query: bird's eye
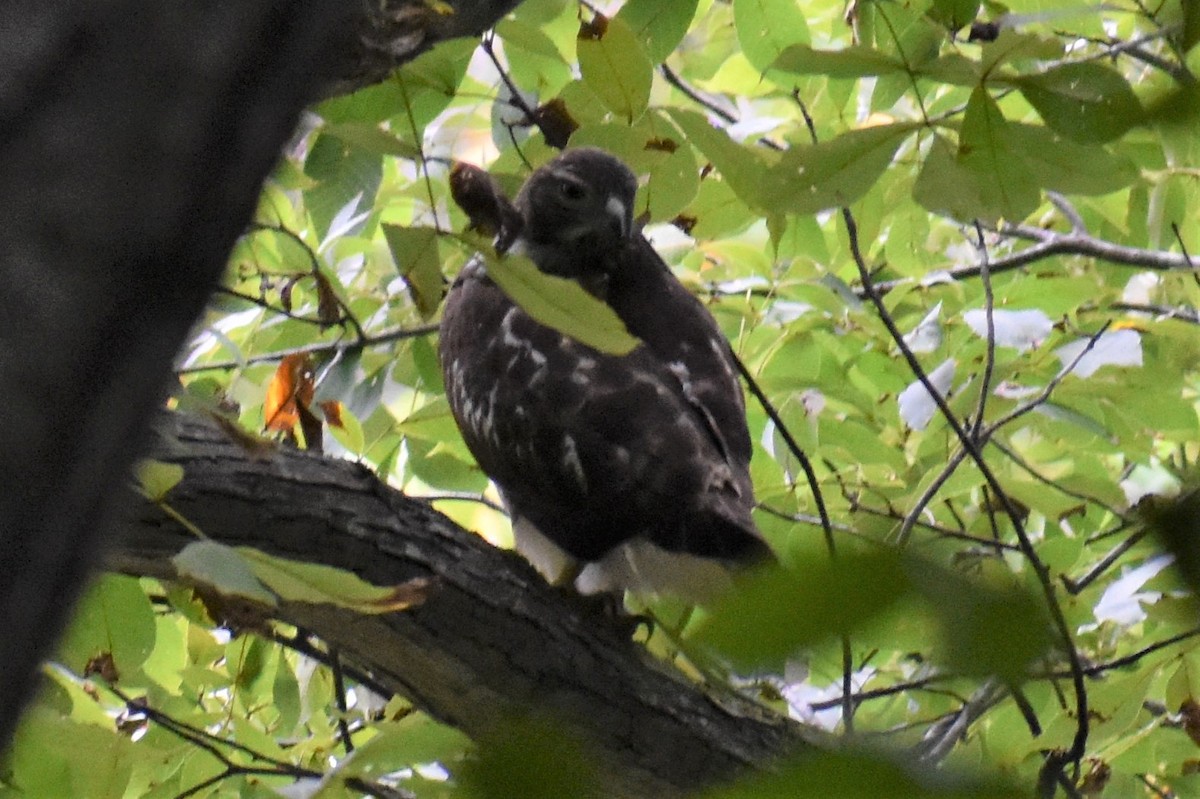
x: 572, y: 191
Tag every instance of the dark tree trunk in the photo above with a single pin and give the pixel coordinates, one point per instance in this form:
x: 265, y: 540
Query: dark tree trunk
x: 493, y: 642
x: 134, y: 137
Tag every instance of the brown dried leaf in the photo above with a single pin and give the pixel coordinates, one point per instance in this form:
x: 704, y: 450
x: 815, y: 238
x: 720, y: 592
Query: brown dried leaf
x: 329, y: 310
x: 555, y: 122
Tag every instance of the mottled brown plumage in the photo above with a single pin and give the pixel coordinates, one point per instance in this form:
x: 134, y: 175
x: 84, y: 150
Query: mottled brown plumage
x: 634, y: 468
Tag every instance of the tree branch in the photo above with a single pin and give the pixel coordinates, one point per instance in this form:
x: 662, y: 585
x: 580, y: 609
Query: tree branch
x: 492, y: 642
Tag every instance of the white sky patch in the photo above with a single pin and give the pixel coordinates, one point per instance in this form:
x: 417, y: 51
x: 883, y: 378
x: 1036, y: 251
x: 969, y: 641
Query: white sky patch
x: 781, y: 312
x: 1021, y: 330
x: 1149, y: 480
x: 802, y: 695
x: 916, y: 405
x: 1117, y: 348
x: 927, y: 335
x: 1006, y: 389
x: 1122, y: 600
x: 344, y: 222
x: 751, y: 123
x: 1141, y: 288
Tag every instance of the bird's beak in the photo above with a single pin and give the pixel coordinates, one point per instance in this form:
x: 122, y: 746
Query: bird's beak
x: 622, y: 217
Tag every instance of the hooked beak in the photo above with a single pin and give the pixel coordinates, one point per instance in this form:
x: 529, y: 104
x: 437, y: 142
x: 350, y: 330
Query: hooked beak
x: 622, y: 217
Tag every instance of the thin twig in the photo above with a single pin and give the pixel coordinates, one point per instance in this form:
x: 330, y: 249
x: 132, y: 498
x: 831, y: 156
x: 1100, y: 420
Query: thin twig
x: 339, y: 698
x: 275, y: 309
x: 1079, y: 742
x: 1075, y: 586
x: 386, y: 337
x: 793, y: 447
x: 315, y: 269
x: 1024, y: 466
x: 942, y: 737
x: 696, y: 96
x: 1189, y: 315
x: 989, y: 308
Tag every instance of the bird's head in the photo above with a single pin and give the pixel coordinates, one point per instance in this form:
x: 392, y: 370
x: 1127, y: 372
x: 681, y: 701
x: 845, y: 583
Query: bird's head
x: 577, y: 208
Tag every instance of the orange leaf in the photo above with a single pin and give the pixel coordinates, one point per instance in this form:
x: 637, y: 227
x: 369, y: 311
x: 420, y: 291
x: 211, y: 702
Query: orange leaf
x: 292, y: 383
x: 333, y: 412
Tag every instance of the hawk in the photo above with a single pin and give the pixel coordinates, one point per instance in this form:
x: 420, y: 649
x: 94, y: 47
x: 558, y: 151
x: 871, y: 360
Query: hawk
x: 619, y: 472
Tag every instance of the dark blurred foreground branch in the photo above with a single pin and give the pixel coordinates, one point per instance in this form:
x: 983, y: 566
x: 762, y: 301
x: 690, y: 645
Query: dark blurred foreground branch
x: 492, y: 643
x: 136, y: 139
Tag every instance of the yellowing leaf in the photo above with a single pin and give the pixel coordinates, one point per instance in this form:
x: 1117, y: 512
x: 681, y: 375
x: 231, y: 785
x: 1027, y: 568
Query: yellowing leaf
x: 223, y: 569
x: 315, y: 583
x: 562, y: 304
x: 156, y: 479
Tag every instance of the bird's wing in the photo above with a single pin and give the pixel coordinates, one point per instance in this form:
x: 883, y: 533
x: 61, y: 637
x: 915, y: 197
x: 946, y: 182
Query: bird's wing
x: 680, y: 331
x: 594, y: 449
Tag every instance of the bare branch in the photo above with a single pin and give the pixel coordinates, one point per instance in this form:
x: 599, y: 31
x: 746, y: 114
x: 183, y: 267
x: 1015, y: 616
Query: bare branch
x: 1050, y: 243
x: 338, y: 346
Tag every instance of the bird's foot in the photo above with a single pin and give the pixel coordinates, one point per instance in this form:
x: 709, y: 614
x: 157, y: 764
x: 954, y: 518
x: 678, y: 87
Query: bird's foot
x: 611, y: 609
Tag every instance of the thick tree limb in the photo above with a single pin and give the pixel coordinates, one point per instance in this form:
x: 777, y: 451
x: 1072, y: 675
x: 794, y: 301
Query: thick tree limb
x: 392, y: 32
x: 493, y: 641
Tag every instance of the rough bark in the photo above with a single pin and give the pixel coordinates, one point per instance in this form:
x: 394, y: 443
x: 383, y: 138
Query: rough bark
x: 493, y: 641
x: 135, y: 139
x: 389, y: 33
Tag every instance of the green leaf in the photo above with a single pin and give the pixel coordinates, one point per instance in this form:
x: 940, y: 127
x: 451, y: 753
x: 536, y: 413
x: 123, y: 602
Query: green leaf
x: 674, y: 182
x: 223, y: 569
x: 367, y: 106
x: 954, y: 14
x: 987, y: 629
x: 833, y: 173
x: 988, y: 153
x: 741, y: 167
x: 318, y: 584
x: 1069, y: 167
x: 943, y: 186
x: 532, y: 758
x: 660, y: 25
x: 854, y: 61
x: 285, y: 695
x: 415, y: 740
x: 415, y: 252
x: 1087, y: 102
x: 953, y: 68
x: 615, y: 67
x: 778, y: 611
x: 114, y: 617
x: 344, y: 173
x: 847, y: 773
x: 527, y: 37
x: 372, y: 139
x: 347, y: 430
x: 766, y: 28
x: 156, y: 479
x: 1011, y: 45
x: 561, y: 304
x: 54, y: 756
